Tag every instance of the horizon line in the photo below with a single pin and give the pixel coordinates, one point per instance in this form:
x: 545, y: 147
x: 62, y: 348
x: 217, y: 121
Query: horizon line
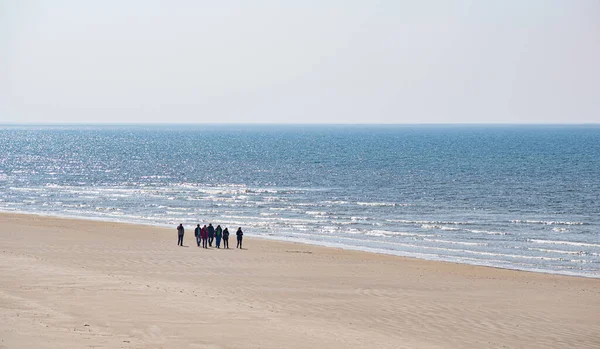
x: 289, y: 124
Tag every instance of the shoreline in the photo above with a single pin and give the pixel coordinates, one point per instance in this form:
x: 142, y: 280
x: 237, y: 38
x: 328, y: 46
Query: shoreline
x: 344, y: 247
x: 83, y: 283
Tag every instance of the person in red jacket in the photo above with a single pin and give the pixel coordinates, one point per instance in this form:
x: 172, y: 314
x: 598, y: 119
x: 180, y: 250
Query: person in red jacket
x: 204, y: 235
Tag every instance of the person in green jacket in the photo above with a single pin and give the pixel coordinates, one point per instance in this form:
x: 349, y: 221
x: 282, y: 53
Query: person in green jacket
x: 218, y: 235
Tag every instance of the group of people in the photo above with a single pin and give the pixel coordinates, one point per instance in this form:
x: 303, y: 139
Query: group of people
x: 206, y: 235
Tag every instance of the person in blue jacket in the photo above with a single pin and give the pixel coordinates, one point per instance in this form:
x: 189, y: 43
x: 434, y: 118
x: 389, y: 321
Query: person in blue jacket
x: 218, y: 236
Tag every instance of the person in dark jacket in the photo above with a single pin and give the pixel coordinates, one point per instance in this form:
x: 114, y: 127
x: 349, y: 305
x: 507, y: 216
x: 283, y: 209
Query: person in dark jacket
x: 204, y: 235
x: 180, y: 232
x: 239, y: 234
x: 226, y: 238
x: 211, y: 234
x: 218, y: 236
x: 197, y: 234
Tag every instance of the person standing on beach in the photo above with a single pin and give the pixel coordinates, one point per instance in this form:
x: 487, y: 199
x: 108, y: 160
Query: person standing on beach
x: 211, y: 234
x: 180, y: 231
x: 239, y: 234
x: 226, y: 238
x: 197, y: 234
x: 204, y: 235
x: 218, y: 235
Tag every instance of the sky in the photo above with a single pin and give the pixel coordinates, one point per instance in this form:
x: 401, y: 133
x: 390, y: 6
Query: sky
x: 322, y: 61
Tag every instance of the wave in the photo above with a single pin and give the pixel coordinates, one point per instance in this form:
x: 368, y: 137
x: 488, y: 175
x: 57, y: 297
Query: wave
x: 308, y: 204
x: 456, y: 242
x: 388, y: 233
x: 557, y: 251
x: 358, y: 219
x: 335, y: 202
x: 76, y: 205
x: 408, y: 221
x: 106, y: 209
x: 561, y: 242
x: 316, y: 213
x: 441, y: 227
x: 380, y: 204
x: 375, y: 233
x: 26, y: 189
x: 519, y: 221
x: 476, y: 231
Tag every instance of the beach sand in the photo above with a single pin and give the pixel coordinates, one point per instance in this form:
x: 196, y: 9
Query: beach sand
x: 87, y: 284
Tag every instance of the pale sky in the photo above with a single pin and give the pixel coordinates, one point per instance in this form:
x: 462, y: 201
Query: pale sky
x: 322, y: 61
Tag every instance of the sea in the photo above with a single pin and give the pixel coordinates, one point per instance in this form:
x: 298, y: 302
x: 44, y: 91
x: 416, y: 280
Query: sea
x: 523, y: 197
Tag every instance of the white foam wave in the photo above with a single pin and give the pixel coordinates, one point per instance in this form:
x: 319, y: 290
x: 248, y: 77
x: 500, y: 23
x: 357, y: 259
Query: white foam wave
x: 388, y: 233
x: 26, y: 189
x: 316, y: 213
x: 171, y: 208
x: 407, y: 221
x: 561, y: 242
x: 357, y: 219
x: 441, y: 227
x: 76, y: 205
x: 456, y: 242
x: 107, y: 209
x: 545, y: 222
x: 476, y: 231
x: 380, y: 204
x: 375, y: 233
x: 272, y: 199
x: 556, y: 251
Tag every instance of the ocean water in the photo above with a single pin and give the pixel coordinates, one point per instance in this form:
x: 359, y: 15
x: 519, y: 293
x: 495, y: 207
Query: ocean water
x: 519, y: 197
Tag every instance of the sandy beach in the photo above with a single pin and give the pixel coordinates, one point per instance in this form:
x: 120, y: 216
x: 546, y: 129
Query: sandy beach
x: 87, y: 284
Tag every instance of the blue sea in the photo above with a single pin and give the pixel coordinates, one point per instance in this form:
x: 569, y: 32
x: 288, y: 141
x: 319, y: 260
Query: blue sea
x: 518, y: 197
